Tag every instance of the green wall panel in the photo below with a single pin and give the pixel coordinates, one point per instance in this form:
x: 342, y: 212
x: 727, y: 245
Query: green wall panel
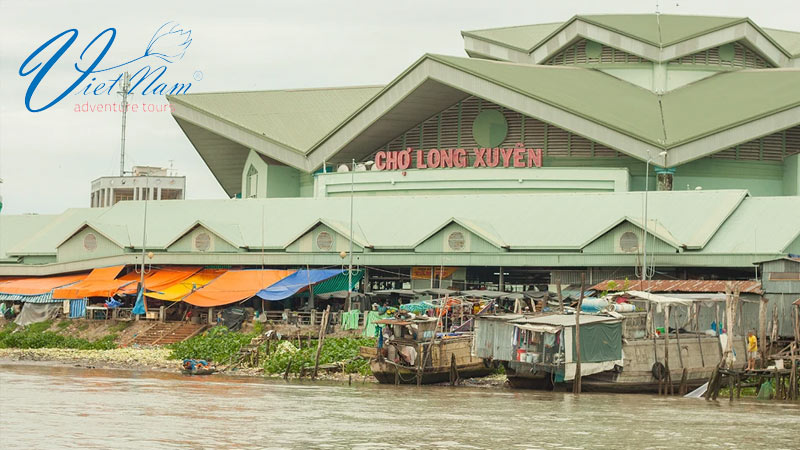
x: 73, y: 249
x: 609, y: 242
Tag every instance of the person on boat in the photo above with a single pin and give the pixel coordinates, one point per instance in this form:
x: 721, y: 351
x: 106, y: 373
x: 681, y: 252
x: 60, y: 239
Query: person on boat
x: 752, y: 350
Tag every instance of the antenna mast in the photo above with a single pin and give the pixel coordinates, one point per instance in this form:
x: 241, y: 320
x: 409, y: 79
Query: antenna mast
x: 125, y: 86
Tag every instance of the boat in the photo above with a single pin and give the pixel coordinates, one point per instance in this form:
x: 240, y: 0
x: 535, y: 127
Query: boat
x: 619, y: 351
x: 197, y: 367
x: 410, y: 351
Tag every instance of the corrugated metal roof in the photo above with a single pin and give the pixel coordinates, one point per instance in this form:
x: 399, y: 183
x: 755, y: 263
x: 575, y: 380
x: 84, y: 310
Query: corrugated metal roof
x: 14, y: 229
x: 521, y: 38
x: 670, y: 30
x: 690, y: 217
x: 790, y: 40
x: 294, y: 118
x: 561, y: 320
x: 749, y: 287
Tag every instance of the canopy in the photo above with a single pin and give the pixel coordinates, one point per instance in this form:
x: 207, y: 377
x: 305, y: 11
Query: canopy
x: 181, y: 289
x: 235, y: 285
x: 296, y: 282
x: 99, y: 283
x: 38, y: 286
x: 159, y: 279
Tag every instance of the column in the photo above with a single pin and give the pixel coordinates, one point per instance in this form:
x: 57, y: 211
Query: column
x: 664, y: 178
x: 501, y: 282
x: 159, y: 194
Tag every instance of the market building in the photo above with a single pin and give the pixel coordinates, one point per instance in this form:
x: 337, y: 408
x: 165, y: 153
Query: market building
x: 529, y: 160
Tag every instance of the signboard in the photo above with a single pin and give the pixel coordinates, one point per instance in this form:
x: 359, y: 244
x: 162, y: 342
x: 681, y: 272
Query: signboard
x: 518, y: 156
x: 424, y: 273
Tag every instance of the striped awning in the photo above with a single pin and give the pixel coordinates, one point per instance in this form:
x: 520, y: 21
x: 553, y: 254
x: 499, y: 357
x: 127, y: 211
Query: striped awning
x: 41, y: 298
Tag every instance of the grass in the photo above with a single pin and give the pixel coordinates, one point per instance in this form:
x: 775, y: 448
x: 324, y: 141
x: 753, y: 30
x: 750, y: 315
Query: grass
x: 63, y: 324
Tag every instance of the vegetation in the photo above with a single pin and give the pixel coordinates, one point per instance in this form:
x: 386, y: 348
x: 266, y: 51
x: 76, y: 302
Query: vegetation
x: 222, y: 346
x: 218, y: 344
x: 36, y: 335
x: 334, y: 350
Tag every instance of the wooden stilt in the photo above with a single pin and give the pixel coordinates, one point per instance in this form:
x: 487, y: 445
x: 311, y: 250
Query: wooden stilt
x: 668, y: 376
x: 322, y: 329
x: 682, y: 388
x: 576, y: 385
x: 288, y: 368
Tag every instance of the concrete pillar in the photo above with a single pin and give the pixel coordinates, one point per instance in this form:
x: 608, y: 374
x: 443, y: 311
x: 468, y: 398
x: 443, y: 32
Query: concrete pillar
x: 211, y: 319
x: 367, y: 287
x: 501, y: 283
x: 162, y: 314
x: 159, y: 194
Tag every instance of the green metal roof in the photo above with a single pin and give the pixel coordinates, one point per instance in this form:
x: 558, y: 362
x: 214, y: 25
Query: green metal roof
x: 760, y: 224
x: 295, y: 119
x: 789, y: 40
x: 673, y: 28
x: 591, y: 94
x: 684, y: 218
x: 521, y: 38
x: 726, y: 100
x: 14, y: 229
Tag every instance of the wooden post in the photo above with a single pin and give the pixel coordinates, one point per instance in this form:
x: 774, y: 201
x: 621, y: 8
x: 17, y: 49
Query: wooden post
x: 678, y: 339
x: 762, y: 329
x: 560, y: 298
x: 667, y: 372
x: 683, y: 388
x: 420, y: 354
x: 576, y: 385
x: 288, y: 368
x: 453, y: 370
x: 322, y: 329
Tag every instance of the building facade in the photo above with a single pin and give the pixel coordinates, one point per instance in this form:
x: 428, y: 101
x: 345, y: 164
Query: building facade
x: 531, y: 159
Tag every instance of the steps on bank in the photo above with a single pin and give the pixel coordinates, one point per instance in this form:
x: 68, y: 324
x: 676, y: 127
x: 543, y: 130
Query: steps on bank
x: 163, y: 333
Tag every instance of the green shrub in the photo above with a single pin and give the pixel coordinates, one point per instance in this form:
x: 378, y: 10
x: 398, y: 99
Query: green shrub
x: 334, y: 350
x: 63, y: 324
x: 217, y: 344
x: 32, y: 338
x: 40, y: 327
x: 119, y: 326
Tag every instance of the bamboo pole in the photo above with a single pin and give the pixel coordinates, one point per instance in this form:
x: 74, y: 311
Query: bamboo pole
x: 322, y: 329
x: 668, y: 373
x: 560, y: 298
x: 576, y: 385
x: 762, y: 329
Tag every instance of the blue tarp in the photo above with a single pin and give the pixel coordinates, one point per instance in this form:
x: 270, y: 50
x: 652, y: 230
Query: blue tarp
x: 296, y: 282
x: 77, y: 308
x: 138, y: 307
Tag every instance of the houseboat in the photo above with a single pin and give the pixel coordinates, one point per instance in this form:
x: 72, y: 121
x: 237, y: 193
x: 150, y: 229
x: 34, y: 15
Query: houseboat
x: 619, y: 351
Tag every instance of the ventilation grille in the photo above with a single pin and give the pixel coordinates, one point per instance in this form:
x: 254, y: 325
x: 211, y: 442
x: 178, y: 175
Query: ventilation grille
x: 202, y: 242
x: 577, y: 54
x: 742, y: 57
x: 324, y: 241
x: 443, y: 131
x: 629, y: 242
x: 456, y: 241
x: 773, y: 147
x: 90, y: 242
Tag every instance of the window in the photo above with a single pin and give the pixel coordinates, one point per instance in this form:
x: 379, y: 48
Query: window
x: 90, y: 242
x: 456, y: 241
x: 202, y: 242
x: 629, y: 242
x: 324, y: 241
x: 252, y: 182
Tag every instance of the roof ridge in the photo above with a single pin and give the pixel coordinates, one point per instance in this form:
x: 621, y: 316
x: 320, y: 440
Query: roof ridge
x: 331, y: 88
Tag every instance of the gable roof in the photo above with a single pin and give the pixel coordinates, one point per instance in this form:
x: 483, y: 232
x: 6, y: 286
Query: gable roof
x: 654, y: 228
x: 790, y: 40
x: 275, y: 115
x: 337, y: 226
x: 671, y: 30
x: 482, y: 230
x: 521, y: 37
x: 116, y: 233
x: 228, y: 232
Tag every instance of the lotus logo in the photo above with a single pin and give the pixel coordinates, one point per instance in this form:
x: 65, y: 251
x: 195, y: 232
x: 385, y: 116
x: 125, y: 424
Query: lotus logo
x: 167, y: 46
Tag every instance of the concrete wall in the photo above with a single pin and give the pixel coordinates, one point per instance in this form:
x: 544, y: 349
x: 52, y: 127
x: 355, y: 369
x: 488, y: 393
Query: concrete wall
x: 791, y: 175
x: 73, y: 249
x: 187, y: 242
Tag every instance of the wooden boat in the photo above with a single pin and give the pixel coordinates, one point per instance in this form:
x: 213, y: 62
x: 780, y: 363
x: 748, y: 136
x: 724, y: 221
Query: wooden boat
x: 412, y: 355
x: 199, y: 371
x: 620, y: 352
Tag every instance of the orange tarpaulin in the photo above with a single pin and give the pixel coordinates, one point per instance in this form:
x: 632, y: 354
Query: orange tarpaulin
x: 157, y: 279
x: 234, y: 286
x: 99, y: 283
x: 38, y: 286
x: 179, y: 290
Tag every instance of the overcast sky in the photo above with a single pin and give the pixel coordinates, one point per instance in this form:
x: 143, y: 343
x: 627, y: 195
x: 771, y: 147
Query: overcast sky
x: 48, y: 159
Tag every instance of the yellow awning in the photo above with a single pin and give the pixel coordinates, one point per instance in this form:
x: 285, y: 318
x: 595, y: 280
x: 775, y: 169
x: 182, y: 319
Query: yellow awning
x: 177, y: 291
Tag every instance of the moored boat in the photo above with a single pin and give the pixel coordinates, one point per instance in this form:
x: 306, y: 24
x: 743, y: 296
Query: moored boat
x: 412, y: 352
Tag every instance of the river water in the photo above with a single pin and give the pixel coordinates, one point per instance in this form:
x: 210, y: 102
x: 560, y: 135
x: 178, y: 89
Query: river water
x: 57, y: 407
